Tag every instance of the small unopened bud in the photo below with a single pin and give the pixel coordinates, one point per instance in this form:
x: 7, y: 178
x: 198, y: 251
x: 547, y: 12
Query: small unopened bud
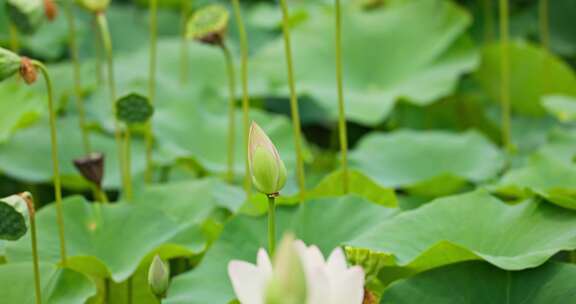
x: 14, y: 213
x: 159, y: 277
x: 50, y: 9
x: 9, y: 63
x: 28, y: 70
x: 26, y: 15
x: 288, y: 282
x: 91, y: 167
x: 266, y: 167
x: 133, y: 109
x: 208, y: 25
x: 95, y: 6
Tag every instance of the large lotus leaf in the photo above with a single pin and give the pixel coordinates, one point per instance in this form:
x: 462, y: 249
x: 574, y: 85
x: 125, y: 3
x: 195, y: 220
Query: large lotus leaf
x: 316, y: 222
x: 26, y: 156
x: 480, y: 283
x: 383, y: 58
x: 471, y: 226
x: 429, y: 162
x: 58, y: 285
x: 562, y: 34
x: 561, y: 146
x: 102, y: 240
x: 19, y: 106
x: 534, y: 73
x: 549, y: 178
x: 562, y: 107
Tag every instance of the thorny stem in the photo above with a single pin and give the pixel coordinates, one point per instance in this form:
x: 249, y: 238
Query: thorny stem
x: 293, y: 100
x: 107, y: 44
x: 245, y: 94
x: 14, y: 38
x: 185, y: 11
x: 55, y: 161
x: 77, y: 81
x: 505, y: 75
x: 341, y: 110
x: 34, y: 240
x: 271, y: 223
x: 231, y: 111
x: 151, y: 87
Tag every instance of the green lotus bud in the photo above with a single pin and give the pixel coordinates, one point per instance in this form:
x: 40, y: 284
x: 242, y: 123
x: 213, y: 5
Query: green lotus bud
x: 288, y: 282
x: 14, y: 213
x: 158, y: 277
x: 134, y: 108
x: 26, y: 15
x: 266, y: 167
x: 9, y: 63
x: 208, y: 25
x: 95, y: 6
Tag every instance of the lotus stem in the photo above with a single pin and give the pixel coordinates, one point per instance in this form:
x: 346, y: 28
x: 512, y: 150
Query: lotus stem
x: 185, y: 11
x: 271, y: 224
x: 128, y: 163
x: 151, y: 87
x: 245, y: 94
x: 129, y: 290
x: 14, y: 38
x: 72, y: 46
x: 488, y: 20
x: 505, y: 75
x: 293, y: 100
x: 35, y: 259
x: 543, y: 22
x: 55, y: 161
x: 98, y: 47
x: 341, y: 110
x: 231, y: 110
x: 107, y: 44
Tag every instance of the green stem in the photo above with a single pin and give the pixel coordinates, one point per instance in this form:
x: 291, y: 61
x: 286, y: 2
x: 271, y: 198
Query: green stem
x: 341, y: 110
x: 545, y: 40
x: 505, y: 75
x: 245, y: 94
x: 106, y: 290
x: 55, y: 161
x: 98, y: 46
x: 271, y: 224
x: 151, y: 87
x: 231, y: 111
x: 184, y: 42
x: 14, y: 38
x: 77, y: 81
x: 128, y: 163
x: 293, y: 101
x: 107, y: 44
x: 129, y: 290
x: 488, y: 20
x: 100, y: 194
x: 33, y: 237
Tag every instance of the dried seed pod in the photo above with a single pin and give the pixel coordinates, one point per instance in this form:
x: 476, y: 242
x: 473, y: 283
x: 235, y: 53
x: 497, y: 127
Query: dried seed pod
x: 133, y: 109
x: 91, y: 167
x: 9, y: 63
x: 14, y: 212
x: 208, y: 25
x: 26, y: 15
x: 28, y: 70
x: 50, y: 9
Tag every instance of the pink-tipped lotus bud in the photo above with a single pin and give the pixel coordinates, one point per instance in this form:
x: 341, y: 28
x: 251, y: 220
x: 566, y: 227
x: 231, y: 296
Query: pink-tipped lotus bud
x: 266, y: 167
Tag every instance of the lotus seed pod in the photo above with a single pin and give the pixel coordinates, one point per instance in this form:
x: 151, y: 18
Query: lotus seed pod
x: 91, y: 167
x: 9, y: 63
x: 134, y: 108
x: 28, y: 70
x: 26, y: 15
x: 208, y: 25
x: 159, y: 277
x: 266, y: 167
x: 288, y: 282
x: 95, y: 6
x: 14, y: 212
x: 50, y: 10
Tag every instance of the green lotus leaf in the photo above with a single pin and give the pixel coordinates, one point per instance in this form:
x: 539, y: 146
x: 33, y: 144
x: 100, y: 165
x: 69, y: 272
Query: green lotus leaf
x: 19, y: 106
x: 549, y: 178
x: 562, y: 35
x: 58, y: 285
x: 470, y: 226
x: 431, y: 163
x: 534, y: 73
x: 562, y: 107
x: 26, y: 15
x: 14, y: 214
x: 383, y: 58
x: 480, y: 283
x: 316, y: 222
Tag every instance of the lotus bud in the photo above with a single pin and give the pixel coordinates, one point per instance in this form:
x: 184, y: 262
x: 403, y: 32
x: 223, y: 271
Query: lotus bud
x: 28, y: 70
x: 50, y: 10
x: 95, y: 6
x: 266, y: 167
x: 26, y: 15
x: 9, y: 63
x: 208, y: 25
x: 91, y: 167
x: 133, y: 109
x: 158, y: 277
x: 288, y: 282
x: 14, y: 212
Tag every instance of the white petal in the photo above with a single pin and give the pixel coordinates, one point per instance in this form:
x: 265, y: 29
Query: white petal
x: 336, y: 264
x: 248, y: 282
x: 264, y: 263
x: 348, y: 288
x: 318, y: 285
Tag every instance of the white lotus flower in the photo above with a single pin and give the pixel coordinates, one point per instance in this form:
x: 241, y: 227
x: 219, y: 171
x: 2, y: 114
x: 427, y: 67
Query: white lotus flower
x: 328, y: 281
